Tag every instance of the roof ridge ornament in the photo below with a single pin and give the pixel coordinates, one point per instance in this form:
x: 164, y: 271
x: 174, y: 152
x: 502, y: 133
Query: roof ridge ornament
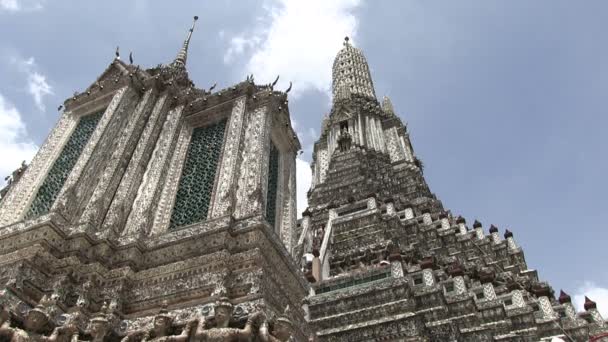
x: 182, y: 55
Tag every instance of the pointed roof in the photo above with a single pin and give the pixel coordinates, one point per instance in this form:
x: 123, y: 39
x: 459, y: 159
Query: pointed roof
x: 476, y: 224
x: 589, y: 304
x: 564, y: 297
x: 493, y: 229
x: 508, y: 234
x: 182, y: 55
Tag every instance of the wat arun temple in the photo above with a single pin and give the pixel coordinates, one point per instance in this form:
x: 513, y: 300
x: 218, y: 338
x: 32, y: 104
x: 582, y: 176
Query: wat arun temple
x: 159, y: 211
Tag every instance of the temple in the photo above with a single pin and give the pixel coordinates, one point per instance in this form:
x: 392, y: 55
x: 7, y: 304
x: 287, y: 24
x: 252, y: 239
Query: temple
x: 388, y: 262
x: 159, y: 211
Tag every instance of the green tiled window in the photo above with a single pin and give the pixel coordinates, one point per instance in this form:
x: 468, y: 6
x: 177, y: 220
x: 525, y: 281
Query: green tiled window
x: 196, y: 183
x: 63, y: 165
x: 273, y: 182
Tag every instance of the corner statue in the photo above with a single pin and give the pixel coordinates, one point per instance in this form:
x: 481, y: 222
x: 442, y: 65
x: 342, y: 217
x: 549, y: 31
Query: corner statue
x: 281, y: 331
x: 221, y: 331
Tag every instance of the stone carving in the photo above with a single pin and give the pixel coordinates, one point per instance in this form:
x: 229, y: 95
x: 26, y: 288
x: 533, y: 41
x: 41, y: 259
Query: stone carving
x: 140, y: 218
x: 160, y: 331
x: 167, y: 197
x: 67, y: 190
x: 221, y: 331
x: 13, y: 178
x: 99, y: 327
x: 249, y: 191
x: 35, y: 323
x: 16, y: 200
x: 281, y: 331
x: 127, y: 190
x: 229, y: 159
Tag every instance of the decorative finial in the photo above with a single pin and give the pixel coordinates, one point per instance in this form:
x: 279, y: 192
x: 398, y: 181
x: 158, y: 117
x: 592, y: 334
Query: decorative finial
x: 275, y: 82
x: 131, y: 57
x: 346, y: 39
x: 117, y: 53
x: 289, y: 88
x: 213, y: 86
x: 182, y: 55
x: 387, y: 105
x: 59, y: 108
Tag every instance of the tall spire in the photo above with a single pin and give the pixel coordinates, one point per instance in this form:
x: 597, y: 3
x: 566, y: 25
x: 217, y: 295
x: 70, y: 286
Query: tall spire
x: 182, y: 55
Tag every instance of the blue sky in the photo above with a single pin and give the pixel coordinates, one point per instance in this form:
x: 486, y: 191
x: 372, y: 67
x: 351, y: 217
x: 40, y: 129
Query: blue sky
x: 505, y: 100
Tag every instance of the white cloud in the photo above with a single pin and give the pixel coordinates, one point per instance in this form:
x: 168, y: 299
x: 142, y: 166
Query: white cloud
x: 21, y: 5
x: 303, y: 179
x: 297, y: 40
x: 37, y: 84
x: 9, y: 5
x: 596, y: 293
x: 38, y: 87
x: 14, y: 143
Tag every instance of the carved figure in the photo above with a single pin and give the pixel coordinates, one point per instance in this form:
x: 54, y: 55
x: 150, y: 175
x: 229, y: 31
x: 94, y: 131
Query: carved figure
x: 281, y: 330
x: 35, y: 323
x: 221, y: 331
x: 161, y: 329
x: 99, y: 327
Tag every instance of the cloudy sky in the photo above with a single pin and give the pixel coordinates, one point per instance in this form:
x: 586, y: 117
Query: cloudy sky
x: 505, y: 100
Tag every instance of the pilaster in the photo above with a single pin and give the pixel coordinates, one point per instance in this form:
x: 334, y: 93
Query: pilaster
x: 141, y: 214
x: 249, y: 194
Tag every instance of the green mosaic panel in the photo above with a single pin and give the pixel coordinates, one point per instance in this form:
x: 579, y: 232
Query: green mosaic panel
x: 273, y: 182
x: 63, y: 165
x: 196, y: 183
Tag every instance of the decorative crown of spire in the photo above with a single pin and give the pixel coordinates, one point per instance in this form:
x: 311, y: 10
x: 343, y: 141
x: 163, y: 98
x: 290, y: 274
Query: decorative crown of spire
x: 182, y: 55
x: 350, y: 74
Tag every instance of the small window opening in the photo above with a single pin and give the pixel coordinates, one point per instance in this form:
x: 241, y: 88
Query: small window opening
x: 344, y: 126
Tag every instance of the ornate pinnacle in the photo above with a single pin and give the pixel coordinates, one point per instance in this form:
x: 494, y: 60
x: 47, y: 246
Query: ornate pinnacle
x: 387, y: 105
x: 182, y: 55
